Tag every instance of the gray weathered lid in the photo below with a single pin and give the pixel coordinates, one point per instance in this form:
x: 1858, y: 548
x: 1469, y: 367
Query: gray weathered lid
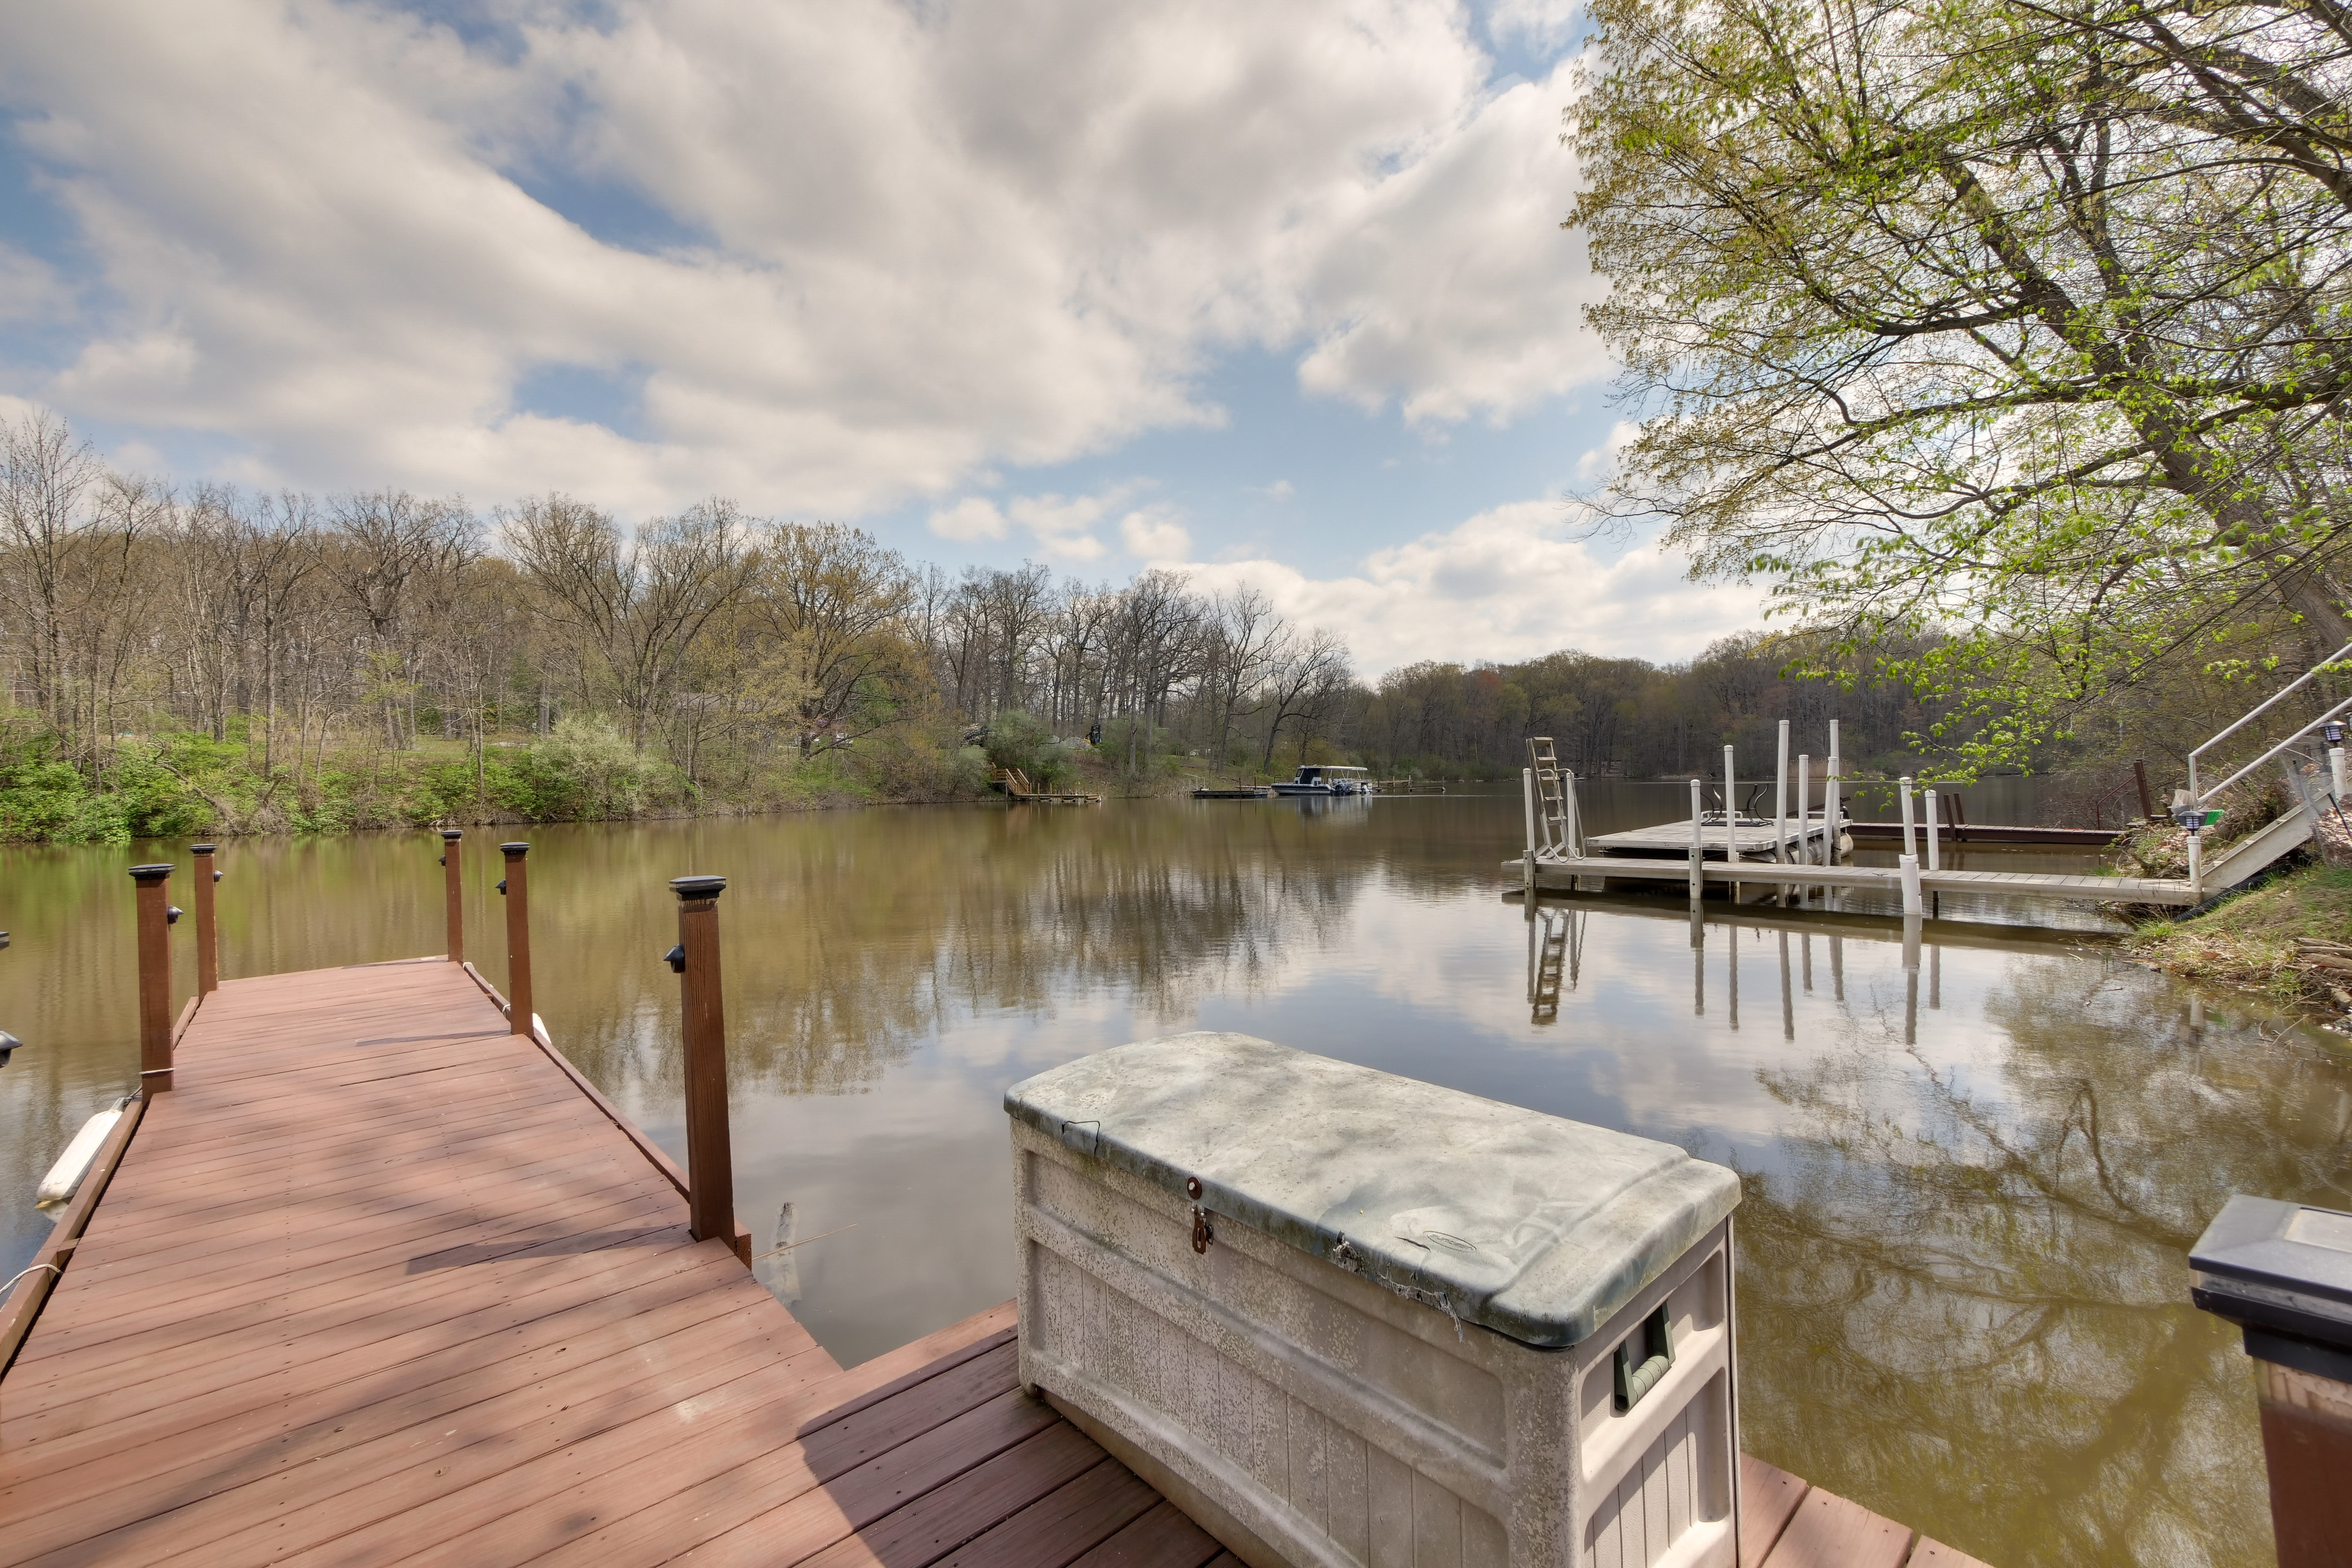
x: 1532, y: 1225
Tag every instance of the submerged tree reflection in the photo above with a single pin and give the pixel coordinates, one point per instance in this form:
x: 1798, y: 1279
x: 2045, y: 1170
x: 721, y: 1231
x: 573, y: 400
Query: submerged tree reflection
x: 1975, y: 1291
x: 862, y: 939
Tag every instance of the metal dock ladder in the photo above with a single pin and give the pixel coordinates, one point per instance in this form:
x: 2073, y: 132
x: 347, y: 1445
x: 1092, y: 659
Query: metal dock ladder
x: 1555, y: 799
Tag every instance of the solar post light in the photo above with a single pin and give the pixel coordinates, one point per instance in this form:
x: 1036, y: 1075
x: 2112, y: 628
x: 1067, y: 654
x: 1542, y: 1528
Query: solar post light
x: 2283, y: 1273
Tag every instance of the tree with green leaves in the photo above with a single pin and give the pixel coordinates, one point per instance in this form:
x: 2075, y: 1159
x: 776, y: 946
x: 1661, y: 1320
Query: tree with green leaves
x: 2016, y: 328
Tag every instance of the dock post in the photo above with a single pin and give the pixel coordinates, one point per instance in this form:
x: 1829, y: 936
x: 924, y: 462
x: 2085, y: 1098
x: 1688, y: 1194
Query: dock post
x: 1780, y: 800
x: 1910, y: 838
x: 2269, y: 1268
x: 1804, y: 808
x: 1831, y: 810
x: 516, y: 886
x: 1911, y: 902
x: 1528, y: 798
x: 709, y: 1156
x: 1911, y: 976
x: 2335, y: 774
x: 207, y: 931
x: 1571, y: 829
x: 1935, y: 851
x: 2195, y: 869
x: 453, y: 891
x: 1698, y: 847
x: 1730, y: 816
x: 155, y: 916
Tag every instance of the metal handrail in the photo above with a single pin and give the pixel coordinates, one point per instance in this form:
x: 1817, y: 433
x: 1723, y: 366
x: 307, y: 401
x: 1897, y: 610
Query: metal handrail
x: 2197, y: 800
x: 2273, y: 700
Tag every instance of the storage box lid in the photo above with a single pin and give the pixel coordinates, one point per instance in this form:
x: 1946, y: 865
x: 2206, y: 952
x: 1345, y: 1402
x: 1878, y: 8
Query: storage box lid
x: 1532, y: 1225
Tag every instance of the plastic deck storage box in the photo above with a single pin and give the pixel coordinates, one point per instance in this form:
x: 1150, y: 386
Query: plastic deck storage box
x: 1344, y: 1318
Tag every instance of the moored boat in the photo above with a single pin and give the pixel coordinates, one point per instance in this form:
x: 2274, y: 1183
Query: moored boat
x: 1323, y: 778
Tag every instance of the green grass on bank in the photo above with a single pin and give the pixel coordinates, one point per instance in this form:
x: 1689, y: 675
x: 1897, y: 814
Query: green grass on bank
x: 2290, y: 938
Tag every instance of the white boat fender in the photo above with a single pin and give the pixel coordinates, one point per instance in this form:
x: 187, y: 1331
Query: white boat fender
x: 64, y: 1177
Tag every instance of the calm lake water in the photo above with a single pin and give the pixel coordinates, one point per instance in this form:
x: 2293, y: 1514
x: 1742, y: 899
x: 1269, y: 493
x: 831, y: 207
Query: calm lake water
x: 1970, y: 1184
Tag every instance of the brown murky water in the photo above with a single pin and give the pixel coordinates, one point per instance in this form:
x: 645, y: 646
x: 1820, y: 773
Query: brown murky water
x: 1970, y: 1184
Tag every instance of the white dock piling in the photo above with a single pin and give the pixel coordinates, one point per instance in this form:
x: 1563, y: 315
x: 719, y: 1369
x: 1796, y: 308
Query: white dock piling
x: 1832, y: 809
x: 1912, y: 903
x: 1805, y: 808
x: 1780, y: 800
x: 1910, y: 839
x: 2335, y: 774
x: 1730, y: 812
x: 2195, y: 868
x: 1528, y: 795
x: 1571, y: 830
x: 1698, y: 845
x: 1935, y: 853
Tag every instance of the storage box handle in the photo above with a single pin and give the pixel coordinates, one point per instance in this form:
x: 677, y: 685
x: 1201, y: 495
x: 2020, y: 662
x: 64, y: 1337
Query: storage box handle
x: 1656, y: 1337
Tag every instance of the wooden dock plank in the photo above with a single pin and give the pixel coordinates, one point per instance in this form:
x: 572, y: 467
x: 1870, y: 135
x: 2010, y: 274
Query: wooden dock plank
x: 1062, y: 1526
x: 1768, y: 1497
x: 1931, y: 1553
x: 1162, y: 1538
x: 1828, y: 1531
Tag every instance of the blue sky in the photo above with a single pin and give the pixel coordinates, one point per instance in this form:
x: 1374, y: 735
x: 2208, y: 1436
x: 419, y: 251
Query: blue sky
x: 1274, y: 295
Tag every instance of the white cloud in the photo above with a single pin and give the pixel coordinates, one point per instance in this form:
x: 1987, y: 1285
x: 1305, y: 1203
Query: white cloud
x: 974, y: 517
x: 30, y: 288
x: 910, y: 242
x: 1510, y: 584
x: 1541, y: 24
x: 1154, y: 533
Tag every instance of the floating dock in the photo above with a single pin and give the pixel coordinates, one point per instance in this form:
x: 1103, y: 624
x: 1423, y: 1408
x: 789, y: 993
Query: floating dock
x: 378, y: 1281
x: 1566, y: 873
x: 1753, y: 838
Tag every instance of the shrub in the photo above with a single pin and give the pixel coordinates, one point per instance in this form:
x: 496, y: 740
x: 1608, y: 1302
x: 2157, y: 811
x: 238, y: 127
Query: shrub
x: 586, y: 769
x: 1019, y: 739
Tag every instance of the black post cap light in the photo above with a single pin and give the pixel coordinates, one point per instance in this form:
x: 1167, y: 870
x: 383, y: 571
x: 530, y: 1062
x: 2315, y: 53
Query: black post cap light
x: 697, y: 887
x: 2333, y: 731
x: 515, y: 851
x: 8, y: 1042
x: 451, y: 835
x: 150, y: 873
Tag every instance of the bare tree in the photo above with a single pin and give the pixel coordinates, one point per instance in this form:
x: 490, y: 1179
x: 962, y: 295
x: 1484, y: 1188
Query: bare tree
x: 634, y: 605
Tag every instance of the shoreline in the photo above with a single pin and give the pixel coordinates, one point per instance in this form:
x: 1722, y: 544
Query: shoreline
x: 2288, y: 940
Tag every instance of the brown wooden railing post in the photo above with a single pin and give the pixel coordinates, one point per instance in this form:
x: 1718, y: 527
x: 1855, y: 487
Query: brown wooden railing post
x: 453, y: 844
x: 155, y: 915
x: 207, y: 931
x: 709, y: 1156
x: 517, y: 888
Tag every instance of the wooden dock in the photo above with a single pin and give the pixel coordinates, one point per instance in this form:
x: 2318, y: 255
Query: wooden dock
x: 377, y: 1282
x: 380, y: 1282
x: 1019, y: 790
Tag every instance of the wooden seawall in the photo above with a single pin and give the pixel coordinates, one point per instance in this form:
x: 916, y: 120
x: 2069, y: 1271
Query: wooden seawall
x: 378, y: 1281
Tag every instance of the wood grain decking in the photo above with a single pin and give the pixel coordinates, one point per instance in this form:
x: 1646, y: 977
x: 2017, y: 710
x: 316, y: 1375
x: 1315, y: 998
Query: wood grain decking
x: 380, y: 1283
x: 1784, y: 1523
x: 377, y: 1283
